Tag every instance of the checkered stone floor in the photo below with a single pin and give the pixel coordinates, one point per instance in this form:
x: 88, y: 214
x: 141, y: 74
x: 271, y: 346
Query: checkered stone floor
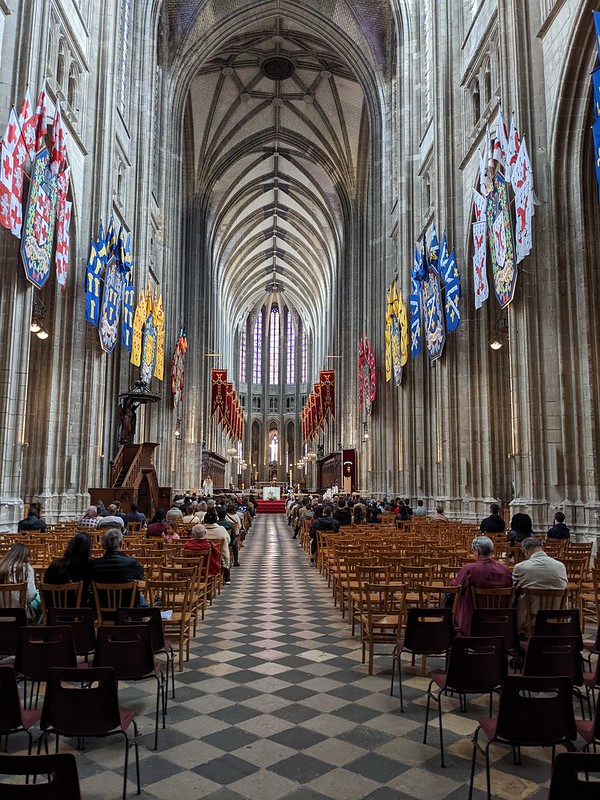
x: 274, y: 703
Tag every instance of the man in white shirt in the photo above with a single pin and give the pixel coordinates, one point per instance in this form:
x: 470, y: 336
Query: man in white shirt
x: 112, y: 520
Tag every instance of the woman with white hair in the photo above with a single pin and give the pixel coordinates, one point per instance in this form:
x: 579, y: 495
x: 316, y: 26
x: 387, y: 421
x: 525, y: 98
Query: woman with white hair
x: 484, y: 573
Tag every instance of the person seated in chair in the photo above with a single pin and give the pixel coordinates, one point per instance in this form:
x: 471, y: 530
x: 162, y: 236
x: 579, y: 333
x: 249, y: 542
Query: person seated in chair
x: 483, y: 573
x: 494, y: 523
x: 114, y: 566
x: 538, y: 571
x: 559, y: 530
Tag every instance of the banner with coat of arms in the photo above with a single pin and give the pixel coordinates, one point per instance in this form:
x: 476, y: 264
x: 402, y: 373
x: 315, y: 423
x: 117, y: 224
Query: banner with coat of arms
x: 38, y: 234
x: 367, y: 378
x: 433, y: 314
x: 110, y: 311
x: 502, y: 254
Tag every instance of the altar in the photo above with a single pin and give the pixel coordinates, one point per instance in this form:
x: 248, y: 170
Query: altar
x: 271, y: 493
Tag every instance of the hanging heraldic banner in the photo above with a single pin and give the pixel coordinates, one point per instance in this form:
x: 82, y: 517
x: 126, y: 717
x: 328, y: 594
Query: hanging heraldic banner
x: 38, y: 233
x: 433, y: 315
x: 110, y: 311
x: 501, y: 243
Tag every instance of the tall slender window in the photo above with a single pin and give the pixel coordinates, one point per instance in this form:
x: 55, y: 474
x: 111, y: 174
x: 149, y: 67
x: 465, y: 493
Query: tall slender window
x: 291, y: 350
x: 303, y: 358
x: 242, y: 372
x: 257, y: 350
x: 274, y: 347
x: 124, y: 50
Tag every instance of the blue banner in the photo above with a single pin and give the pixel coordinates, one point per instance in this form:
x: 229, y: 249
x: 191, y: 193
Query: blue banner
x: 110, y: 313
x: 451, y: 305
x: 127, y: 324
x: 414, y: 301
x: 93, y: 278
x: 434, y: 251
x: 596, y: 15
x: 596, y: 91
x: 433, y: 315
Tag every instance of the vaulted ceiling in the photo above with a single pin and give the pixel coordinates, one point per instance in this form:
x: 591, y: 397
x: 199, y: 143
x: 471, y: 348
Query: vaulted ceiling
x: 278, y: 126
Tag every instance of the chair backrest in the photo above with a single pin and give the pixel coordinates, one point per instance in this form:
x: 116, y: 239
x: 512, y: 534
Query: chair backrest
x: 134, y: 527
x: 492, y: 598
x: 13, y: 594
x: 428, y: 630
x: 10, y: 703
x: 81, y: 622
x: 65, y: 595
x: 174, y: 595
x: 476, y: 663
x: 42, y: 647
x: 570, y: 776
x: 496, y: 622
x: 125, y: 648
x: 554, y: 655
x: 387, y: 599
x: 144, y: 616
x: 59, y: 770
x: 564, y: 622
x: 11, y: 619
x: 108, y: 597
x: 539, y: 599
x: 75, y: 707
x: 536, y: 711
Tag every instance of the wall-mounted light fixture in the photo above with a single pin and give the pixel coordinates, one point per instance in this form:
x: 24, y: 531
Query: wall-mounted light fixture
x: 365, y: 431
x: 498, y: 340
x: 38, y: 316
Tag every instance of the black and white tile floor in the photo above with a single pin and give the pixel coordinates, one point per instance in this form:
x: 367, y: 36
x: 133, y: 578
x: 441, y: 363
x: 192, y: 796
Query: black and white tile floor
x: 274, y: 703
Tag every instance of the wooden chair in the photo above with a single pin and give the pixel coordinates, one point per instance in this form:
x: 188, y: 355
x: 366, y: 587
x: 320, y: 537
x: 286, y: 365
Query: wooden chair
x: 134, y: 527
x: 492, y: 598
x: 13, y: 595
x: 536, y: 599
x: 383, y: 617
x: 66, y: 595
x: 108, y: 597
x: 176, y: 613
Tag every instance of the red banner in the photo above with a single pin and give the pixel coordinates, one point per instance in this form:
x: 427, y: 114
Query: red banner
x: 217, y: 400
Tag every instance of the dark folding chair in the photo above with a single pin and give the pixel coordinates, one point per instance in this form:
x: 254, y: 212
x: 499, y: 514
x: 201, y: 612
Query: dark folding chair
x: 559, y: 622
x: 56, y: 777
x: 566, y: 780
x: 428, y: 632
x: 11, y: 620
x: 81, y: 622
x: 151, y: 616
x: 87, y: 709
x: 13, y: 717
x: 476, y: 665
x: 42, y: 647
x: 589, y: 730
x: 548, y: 656
x: 497, y: 622
x: 533, y: 712
x: 128, y: 650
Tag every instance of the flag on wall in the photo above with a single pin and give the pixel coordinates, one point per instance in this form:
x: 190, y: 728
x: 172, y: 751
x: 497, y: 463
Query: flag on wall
x: 501, y: 243
x: 12, y: 158
x: 596, y: 16
x: 327, y: 381
x: 512, y: 149
x: 159, y: 321
x: 127, y: 324
x: 178, y: 368
x: 93, y: 275
x: 28, y: 124
x: 480, y: 280
x: 110, y: 309
x: 40, y: 217
x: 367, y: 380
x: 433, y: 314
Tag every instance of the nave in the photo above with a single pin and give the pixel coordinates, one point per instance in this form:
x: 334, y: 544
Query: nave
x: 274, y: 703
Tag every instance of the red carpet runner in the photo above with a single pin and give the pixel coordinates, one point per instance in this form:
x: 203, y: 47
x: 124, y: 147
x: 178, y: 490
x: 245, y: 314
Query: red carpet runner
x: 271, y: 506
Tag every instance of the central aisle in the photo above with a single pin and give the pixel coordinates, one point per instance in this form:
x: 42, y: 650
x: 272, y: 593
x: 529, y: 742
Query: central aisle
x: 274, y: 703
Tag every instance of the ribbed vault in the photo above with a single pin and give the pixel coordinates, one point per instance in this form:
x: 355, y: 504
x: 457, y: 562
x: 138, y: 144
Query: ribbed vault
x: 276, y: 119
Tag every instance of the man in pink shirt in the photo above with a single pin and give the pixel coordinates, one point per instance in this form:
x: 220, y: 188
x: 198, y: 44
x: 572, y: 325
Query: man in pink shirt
x: 484, y: 573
